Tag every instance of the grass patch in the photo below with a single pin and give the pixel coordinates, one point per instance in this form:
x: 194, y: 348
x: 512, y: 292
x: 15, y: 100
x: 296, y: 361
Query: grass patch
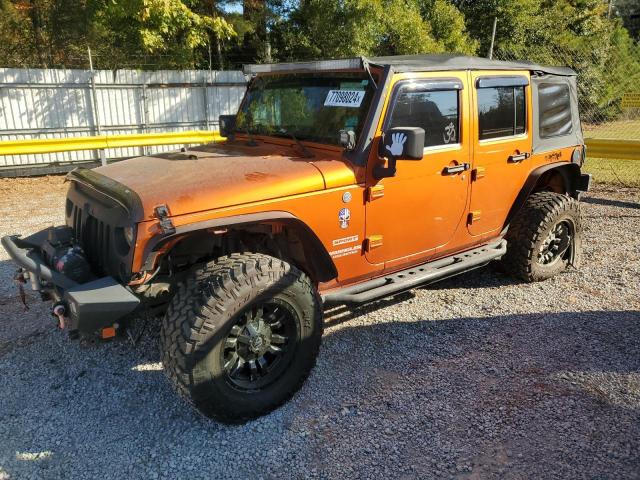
x: 619, y: 172
x: 611, y: 171
x: 621, y: 129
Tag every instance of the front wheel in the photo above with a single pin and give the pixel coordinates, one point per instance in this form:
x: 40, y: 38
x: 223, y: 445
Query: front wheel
x: 544, y: 237
x: 241, y: 335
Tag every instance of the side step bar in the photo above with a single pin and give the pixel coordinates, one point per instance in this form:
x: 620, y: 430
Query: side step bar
x: 419, y: 275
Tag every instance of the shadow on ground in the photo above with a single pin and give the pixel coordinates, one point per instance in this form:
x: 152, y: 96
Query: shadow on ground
x: 611, y: 202
x: 471, y: 396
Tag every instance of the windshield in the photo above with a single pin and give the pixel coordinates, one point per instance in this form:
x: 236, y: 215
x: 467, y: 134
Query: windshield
x: 311, y: 107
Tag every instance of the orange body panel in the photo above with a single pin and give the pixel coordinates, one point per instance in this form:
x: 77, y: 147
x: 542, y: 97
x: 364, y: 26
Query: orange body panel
x: 319, y: 210
x: 393, y: 223
x: 219, y: 177
x: 421, y: 208
x: 493, y: 194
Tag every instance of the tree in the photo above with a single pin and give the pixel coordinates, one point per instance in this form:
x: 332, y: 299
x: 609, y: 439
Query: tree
x: 575, y: 33
x: 448, y: 26
x: 15, y: 36
x: 170, y: 31
x: 193, y: 33
x: 54, y: 33
x: 326, y: 28
x: 519, y: 22
x: 629, y: 12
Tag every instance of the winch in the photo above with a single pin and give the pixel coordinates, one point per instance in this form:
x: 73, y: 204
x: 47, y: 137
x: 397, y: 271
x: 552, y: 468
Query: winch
x: 65, y: 256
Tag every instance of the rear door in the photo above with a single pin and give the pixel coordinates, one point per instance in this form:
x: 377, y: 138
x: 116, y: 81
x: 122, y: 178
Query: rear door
x: 502, y: 146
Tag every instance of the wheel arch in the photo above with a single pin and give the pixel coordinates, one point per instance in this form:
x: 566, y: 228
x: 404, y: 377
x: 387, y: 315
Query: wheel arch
x: 559, y: 177
x: 316, y: 260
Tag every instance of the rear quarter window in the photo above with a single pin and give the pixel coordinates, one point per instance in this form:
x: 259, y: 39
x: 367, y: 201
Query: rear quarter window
x: 554, y: 110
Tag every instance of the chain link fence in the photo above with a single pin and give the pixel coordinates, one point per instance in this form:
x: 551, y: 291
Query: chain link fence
x: 609, y: 100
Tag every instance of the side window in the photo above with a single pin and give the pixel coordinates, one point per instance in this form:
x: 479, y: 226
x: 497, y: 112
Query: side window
x: 436, y: 111
x: 502, y: 111
x: 554, y: 106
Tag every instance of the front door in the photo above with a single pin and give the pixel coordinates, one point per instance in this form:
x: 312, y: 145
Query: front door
x: 418, y: 210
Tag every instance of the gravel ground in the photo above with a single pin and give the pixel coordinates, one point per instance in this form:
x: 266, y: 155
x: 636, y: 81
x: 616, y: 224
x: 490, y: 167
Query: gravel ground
x: 478, y: 377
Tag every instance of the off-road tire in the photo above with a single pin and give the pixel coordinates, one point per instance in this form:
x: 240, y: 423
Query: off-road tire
x: 202, y: 313
x: 529, y: 229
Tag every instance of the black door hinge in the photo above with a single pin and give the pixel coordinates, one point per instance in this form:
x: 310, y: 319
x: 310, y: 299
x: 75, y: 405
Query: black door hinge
x: 166, y: 225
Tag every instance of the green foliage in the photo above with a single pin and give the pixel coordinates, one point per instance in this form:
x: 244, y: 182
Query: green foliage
x: 629, y: 12
x: 14, y: 36
x: 576, y: 33
x: 520, y: 22
x: 326, y: 28
x: 170, y: 29
x: 448, y: 26
x: 55, y: 33
x: 601, y: 43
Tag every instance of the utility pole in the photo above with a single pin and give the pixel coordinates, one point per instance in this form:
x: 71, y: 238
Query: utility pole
x: 493, y: 37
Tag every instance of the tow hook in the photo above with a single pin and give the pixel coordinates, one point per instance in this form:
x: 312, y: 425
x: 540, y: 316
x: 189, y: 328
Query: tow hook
x: 59, y: 310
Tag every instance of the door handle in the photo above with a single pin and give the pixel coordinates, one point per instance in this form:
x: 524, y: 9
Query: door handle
x: 519, y: 158
x: 456, y: 169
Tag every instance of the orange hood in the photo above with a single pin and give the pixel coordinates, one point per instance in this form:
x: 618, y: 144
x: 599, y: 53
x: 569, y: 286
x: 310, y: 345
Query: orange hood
x: 217, y: 176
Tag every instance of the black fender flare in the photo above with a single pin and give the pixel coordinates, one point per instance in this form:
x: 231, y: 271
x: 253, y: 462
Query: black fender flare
x: 574, y: 183
x: 320, y: 262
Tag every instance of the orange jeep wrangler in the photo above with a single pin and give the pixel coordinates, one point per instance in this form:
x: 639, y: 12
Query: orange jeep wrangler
x: 339, y: 182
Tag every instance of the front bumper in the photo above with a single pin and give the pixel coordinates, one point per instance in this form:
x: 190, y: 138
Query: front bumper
x: 92, y: 305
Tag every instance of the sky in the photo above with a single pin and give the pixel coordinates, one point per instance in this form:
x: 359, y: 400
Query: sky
x: 232, y: 7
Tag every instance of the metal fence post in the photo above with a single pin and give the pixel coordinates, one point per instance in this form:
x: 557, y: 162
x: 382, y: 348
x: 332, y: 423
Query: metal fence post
x: 144, y: 113
x: 493, y: 37
x: 206, y: 103
x: 94, y: 107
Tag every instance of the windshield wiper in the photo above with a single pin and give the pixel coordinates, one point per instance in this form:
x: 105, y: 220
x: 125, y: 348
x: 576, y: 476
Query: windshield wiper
x: 305, y: 150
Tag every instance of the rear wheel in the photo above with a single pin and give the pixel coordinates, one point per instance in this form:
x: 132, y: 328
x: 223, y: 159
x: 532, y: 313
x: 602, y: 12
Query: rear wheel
x: 241, y: 335
x: 544, y: 237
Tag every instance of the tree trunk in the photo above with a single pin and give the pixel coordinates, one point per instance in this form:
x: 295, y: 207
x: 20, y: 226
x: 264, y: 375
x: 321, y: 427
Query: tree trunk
x: 39, y: 42
x: 219, y: 53
x: 255, y: 11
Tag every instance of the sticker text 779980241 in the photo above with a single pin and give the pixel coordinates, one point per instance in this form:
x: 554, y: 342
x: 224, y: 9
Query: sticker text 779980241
x: 344, y: 98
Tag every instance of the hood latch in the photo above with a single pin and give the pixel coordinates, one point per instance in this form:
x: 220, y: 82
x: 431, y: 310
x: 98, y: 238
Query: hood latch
x: 166, y: 225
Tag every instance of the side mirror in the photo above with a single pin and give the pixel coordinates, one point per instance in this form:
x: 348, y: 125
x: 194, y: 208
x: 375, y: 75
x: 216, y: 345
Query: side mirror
x: 227, y: 125
x: 399, y: 143
x: 403, y: 143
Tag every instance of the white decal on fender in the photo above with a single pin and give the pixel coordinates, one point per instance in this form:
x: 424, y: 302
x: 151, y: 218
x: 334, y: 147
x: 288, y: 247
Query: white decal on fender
x: 342, y: 241
x: 343, y: 252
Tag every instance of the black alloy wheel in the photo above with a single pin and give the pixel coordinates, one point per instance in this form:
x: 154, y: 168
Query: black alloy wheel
x: 260, y: 345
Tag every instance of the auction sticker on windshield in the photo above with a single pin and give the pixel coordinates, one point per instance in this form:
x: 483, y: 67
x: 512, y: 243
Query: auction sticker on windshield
x: 344, y: 98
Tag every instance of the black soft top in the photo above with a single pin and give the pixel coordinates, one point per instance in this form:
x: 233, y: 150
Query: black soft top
x: 408, y: 63
x: 429, y: 63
